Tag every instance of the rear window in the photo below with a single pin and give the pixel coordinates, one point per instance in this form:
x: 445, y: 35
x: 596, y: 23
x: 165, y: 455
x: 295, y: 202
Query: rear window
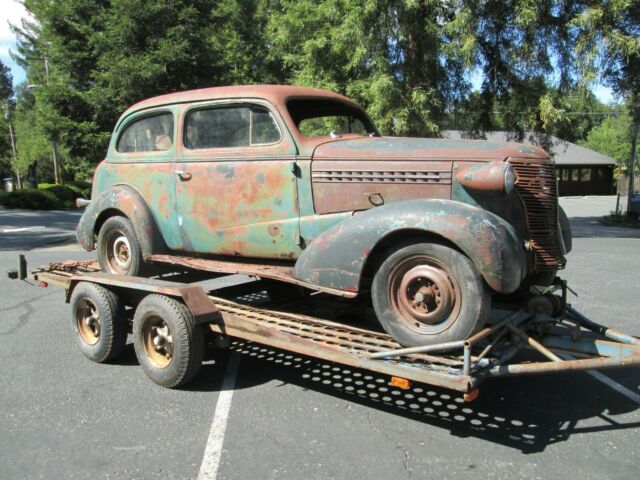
x: 153, y: 133
x: 234, y: 126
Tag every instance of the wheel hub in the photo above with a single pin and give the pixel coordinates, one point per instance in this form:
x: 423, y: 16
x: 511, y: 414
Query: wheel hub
x: 426, y: 294
x: 121, y: 252
x: 157, y: 341
x: 423, y: 295
x: 88, y: 321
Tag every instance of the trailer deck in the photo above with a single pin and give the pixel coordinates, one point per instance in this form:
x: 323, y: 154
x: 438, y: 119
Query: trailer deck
x: 515, y: 342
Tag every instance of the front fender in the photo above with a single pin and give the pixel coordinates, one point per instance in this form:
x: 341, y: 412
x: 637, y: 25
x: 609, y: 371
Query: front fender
x: 130, y: 203
x: 337, y: 258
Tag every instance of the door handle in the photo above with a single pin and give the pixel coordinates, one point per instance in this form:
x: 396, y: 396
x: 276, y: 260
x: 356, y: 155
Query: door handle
x: 183, y: 175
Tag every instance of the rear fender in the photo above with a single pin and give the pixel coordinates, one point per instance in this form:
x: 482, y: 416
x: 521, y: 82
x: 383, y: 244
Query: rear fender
x: 125, y: 201
x: 337, y: 258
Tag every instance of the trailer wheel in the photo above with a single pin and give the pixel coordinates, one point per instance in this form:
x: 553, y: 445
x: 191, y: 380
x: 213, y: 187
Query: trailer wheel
x: 119, y: 251
x: 428, y: 293
x: 99, y: 321
x: 169, y: 345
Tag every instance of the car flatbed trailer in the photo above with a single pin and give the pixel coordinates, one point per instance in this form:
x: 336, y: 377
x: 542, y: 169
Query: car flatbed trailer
x: 561, y: 342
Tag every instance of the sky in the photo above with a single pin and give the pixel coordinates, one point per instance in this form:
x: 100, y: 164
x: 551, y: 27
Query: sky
x: 13, y: 12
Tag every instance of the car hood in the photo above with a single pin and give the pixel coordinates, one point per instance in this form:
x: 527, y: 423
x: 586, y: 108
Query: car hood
x: 392, y: 148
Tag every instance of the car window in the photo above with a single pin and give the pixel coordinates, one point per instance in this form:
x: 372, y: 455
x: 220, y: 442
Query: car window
x: 153, y: 133
x: 323, y: 116
x: 264, y: 128
x: 237, y: 126
x: 321, y: 126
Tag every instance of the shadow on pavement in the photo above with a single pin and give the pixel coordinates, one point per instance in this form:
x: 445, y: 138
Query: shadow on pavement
x: 590, y: 227
x: 525, y: 413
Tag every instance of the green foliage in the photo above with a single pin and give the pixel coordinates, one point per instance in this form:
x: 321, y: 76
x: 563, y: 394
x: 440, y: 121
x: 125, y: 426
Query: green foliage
x: 66, y: 194
x: 385, y: 54
x: 30, y: 200
x: 408, y: 62
x: 611, y: 138
x: 6, y: 107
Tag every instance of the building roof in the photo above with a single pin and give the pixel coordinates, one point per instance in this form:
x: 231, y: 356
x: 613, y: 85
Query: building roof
x: 564, y: 153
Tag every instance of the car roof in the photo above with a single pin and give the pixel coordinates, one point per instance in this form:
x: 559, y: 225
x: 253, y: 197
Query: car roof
x: 276, y: 94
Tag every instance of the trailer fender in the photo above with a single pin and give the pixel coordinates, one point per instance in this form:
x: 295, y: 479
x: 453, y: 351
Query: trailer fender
x: 337, y: 257
x: 126, y: 201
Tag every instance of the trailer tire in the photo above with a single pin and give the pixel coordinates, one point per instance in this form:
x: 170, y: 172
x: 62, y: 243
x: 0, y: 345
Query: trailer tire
x: 99, y: 322
x: 168, y: 343
x: 429, y: 293
x: 118, y: 248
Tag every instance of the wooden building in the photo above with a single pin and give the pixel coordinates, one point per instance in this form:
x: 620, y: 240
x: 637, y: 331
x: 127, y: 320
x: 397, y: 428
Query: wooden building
x: 580, y: 171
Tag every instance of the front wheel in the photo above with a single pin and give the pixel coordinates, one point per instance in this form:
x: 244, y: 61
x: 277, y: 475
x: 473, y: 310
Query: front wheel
x: 119, y: 251
x: 428, y: 293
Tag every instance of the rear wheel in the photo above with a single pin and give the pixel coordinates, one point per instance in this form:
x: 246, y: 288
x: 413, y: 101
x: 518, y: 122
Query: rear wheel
x: 428, y: 293
x: 119, y: 251
x: 169, y: 345
x: 99, y: 322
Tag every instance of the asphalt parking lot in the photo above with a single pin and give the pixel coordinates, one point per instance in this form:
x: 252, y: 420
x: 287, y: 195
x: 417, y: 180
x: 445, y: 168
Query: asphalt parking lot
x: 291, y: 417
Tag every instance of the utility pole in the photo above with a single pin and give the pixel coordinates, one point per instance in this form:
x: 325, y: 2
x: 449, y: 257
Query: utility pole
x: 634, y: 159
x: 56, y: 160
x: 7, y: 116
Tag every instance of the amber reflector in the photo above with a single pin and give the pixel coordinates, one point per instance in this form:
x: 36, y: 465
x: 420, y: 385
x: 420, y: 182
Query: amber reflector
x: 400, y: 382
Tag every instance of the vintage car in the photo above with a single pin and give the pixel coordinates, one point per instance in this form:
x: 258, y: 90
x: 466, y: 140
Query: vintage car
x: 300, y: 179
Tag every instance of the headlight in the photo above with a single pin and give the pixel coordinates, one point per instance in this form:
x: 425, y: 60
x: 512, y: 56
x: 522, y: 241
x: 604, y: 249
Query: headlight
x: 510, y: 178
x: 492, y: 177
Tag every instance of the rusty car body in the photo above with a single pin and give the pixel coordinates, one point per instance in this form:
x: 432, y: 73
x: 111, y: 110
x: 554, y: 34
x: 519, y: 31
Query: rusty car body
x: 297, y: 184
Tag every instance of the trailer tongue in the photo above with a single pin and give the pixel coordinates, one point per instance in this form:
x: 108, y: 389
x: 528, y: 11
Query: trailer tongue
x: 169, y: 320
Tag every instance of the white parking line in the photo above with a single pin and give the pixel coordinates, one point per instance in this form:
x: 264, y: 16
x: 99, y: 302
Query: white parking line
x: 22, y: 229
x: 621, y: 389
x: 601, y: 377
x: 213, y: 450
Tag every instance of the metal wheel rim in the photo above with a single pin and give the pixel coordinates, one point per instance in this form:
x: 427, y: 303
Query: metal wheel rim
x: 88, y: 321
x: 118, y: 251
x: 424, y: 295
x: 157, y: 341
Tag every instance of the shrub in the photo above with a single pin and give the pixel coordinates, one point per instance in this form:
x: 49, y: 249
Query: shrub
x: 80, y: 187
x: 30, y: 199
x: 68, y: 192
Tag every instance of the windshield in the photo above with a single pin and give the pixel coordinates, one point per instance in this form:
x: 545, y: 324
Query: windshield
x: 318, y: 117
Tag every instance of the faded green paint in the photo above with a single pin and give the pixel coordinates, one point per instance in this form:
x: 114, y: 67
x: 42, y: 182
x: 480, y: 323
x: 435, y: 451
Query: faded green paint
x: 238, y: 208
x: 263, y: 201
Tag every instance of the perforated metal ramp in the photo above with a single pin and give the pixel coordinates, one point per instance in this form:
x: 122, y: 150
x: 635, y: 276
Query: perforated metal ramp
x: 317, y: 337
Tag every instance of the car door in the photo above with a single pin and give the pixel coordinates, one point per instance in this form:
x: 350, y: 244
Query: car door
x: 142, y: 155
x: 235, y: 181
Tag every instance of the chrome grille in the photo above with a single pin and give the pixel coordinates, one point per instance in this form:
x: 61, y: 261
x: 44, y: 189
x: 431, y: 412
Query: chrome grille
x: 537, y: 187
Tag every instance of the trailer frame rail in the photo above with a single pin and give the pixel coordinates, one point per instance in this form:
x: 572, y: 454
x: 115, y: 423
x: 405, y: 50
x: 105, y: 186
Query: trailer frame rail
x: 460, y: 366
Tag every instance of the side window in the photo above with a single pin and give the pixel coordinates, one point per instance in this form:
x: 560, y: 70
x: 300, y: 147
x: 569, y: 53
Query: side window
x: 153, y: 133
x: 224, y: 127
x: 263, y: 127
